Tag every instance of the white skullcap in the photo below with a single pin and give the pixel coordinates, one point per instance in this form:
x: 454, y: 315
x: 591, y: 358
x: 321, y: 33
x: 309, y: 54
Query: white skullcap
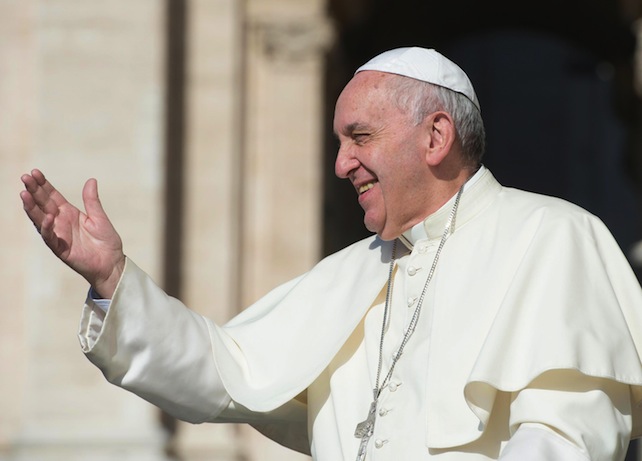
x: 426, y: 65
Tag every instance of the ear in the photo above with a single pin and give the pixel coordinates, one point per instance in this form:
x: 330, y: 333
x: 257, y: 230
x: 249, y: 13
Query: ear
x: 441, y: 137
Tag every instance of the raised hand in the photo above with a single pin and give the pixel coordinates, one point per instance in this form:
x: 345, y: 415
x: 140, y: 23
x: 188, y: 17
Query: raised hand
x: 86, y: 242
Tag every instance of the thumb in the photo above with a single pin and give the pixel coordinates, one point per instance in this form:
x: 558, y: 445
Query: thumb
x: 90, y: 198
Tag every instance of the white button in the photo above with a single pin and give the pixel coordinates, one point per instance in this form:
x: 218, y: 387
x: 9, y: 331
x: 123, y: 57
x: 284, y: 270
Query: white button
x: 380, y: 443
x: 383, y: 411
x: 411, y: 301
x: 423, y: 249
x: 393, y: 387
x: 412, y: 270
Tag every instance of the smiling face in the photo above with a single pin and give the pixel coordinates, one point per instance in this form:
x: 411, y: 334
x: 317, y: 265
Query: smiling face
x: 383, y: 153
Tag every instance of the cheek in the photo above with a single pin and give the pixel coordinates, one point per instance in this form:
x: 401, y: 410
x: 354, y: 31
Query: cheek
x: 404, y: 185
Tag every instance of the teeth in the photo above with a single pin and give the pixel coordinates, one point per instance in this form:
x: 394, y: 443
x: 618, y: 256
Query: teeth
x: 366, y: 187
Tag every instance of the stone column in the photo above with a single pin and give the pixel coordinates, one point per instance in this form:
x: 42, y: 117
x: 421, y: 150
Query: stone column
x: 81, y: 96
x: 252, y: 172
x: 283, y: 142
x: 281, y: 175
x: 211, y: 199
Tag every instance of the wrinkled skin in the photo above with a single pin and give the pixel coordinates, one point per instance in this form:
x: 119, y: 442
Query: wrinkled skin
x: 87, y: 242
x: 393, y: 163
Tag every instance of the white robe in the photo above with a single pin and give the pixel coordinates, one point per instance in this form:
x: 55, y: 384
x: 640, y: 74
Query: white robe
x: 532, y: 299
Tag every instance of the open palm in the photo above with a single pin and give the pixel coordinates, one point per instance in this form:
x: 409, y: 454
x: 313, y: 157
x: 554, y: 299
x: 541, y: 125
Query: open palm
x: 87, y: 242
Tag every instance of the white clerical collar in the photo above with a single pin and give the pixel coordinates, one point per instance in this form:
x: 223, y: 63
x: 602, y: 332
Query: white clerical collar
x: 419, y: 231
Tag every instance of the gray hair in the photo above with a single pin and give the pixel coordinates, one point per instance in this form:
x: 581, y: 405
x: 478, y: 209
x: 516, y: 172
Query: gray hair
x: 421, y: 99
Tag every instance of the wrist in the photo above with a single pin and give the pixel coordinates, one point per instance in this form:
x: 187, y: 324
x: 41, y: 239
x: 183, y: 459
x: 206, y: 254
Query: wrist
x: 105, y: 288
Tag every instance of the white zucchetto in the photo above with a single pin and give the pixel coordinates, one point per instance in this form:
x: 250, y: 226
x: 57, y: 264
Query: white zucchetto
x: 426, y: 65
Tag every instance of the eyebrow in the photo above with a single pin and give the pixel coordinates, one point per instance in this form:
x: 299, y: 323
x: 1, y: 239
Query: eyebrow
x: 352, y: 127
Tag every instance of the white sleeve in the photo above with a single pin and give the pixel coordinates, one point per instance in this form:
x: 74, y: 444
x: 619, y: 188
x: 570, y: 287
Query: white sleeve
x: 155, y: 347
x: 91, y: 323
x: 535, y: 442
x: 93, y: 316
x: 99, y: 302
x: 565, y: 415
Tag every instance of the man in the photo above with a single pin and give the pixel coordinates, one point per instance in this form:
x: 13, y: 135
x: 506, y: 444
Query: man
x: 479, y: 323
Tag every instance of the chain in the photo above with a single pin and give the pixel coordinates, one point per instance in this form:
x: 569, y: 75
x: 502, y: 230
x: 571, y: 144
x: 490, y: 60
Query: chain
x: 449, y: 229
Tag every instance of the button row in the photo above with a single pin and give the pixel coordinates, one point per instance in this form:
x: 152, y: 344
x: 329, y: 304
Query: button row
x: 392, y: 387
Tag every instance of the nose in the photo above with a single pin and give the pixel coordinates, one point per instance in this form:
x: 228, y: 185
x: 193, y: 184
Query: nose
x: 345, y: 163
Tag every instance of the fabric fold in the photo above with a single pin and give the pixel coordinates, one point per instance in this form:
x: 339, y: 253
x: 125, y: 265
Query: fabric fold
x: 588, y: 322
x: 245, y: 347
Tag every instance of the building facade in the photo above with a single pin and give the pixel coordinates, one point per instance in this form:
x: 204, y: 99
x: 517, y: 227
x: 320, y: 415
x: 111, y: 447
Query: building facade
x: 206, y: 123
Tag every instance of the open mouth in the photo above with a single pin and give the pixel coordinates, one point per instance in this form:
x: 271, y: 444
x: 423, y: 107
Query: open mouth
x: 366, y: 187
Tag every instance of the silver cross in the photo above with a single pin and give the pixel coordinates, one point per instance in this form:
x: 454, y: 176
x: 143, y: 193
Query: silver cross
x: 364, y: 431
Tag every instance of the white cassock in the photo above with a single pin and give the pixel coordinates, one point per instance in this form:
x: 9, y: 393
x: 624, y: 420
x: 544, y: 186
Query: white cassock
x: 527, y: 347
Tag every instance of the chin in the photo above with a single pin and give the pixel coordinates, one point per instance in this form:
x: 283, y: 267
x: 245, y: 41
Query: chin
x: 385, y: 234
x: 380, y: 228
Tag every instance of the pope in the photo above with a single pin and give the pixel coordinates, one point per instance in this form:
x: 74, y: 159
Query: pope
x: 478, y: 322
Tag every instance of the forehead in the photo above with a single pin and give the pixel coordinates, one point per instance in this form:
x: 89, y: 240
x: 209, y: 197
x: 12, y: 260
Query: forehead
x: 365, y: 83
x: 365, y: 97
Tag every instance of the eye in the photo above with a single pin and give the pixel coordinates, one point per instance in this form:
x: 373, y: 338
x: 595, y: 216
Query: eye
x: 360, y: 138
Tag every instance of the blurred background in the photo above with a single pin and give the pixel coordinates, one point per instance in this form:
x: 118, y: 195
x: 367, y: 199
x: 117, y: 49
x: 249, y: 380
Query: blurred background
x: 208, y: 126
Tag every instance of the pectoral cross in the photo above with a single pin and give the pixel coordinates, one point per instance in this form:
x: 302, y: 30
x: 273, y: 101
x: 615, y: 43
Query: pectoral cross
x: 365, y: 429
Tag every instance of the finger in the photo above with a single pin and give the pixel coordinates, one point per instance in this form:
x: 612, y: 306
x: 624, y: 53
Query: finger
x: 46, y: 230
x: 44, y: 193
x: 34, y: 181
x: 91, y: 200
x: 57, y: 245
x: 43, y: 223
x: 35, y: 199
x: 47, y: 187
x: 30, y: 182
x: 34, y: 213
x: 38, y: 176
